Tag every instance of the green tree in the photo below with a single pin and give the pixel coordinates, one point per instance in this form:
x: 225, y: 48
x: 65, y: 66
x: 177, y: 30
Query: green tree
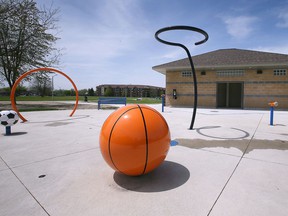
x: 70, y: 92
x: 26, y: 39
x: 82, y: 92
x: 91, y: 92
x: 20, y: 90
x: 58, y: 92
x: 108, y: 92
x: 41, y: 85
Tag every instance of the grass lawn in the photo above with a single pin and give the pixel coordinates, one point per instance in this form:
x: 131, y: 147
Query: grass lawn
x: 130, y: 100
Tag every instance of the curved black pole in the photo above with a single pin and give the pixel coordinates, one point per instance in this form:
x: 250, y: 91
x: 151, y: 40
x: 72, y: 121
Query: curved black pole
x: 190, y: 28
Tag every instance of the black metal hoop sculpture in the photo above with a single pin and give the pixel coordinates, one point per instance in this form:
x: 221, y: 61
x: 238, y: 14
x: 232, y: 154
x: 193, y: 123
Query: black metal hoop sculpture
x: 189, y: 56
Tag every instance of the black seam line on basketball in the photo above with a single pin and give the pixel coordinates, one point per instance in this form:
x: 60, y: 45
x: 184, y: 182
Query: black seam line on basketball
x: 111, y: 136
x: 146, y: 135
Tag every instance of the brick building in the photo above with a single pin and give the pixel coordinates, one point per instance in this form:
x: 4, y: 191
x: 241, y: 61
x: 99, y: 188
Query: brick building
x: 129, y: 90
x: 228, y: 78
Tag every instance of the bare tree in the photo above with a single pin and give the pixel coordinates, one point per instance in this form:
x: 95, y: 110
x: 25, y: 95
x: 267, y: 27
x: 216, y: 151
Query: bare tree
x: 41, y: 86
x: 26, y: 38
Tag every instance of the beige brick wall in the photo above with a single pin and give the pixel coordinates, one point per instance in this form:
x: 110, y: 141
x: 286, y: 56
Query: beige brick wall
x: 259, y: 89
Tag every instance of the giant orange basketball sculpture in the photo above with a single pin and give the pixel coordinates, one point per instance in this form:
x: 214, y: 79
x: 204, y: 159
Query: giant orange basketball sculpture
x: 134, y: 139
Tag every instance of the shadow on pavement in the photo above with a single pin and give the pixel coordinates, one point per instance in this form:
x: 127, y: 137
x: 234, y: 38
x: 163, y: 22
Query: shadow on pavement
x: 16, y: 134
x: 241, y: 134
x: 167, y: 176
x: 74, y: 117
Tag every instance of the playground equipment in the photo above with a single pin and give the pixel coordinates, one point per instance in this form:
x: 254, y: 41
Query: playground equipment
x: 12, y: 95
x: 7, y: 119
x: 272, y: 107
x: 109, y: 100
x: 134, y: 139
x: 190, y: 59
x: 163, y: 101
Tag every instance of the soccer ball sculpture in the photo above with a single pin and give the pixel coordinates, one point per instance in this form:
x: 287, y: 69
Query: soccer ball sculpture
x: 8, y: 118
x: 134, y: 139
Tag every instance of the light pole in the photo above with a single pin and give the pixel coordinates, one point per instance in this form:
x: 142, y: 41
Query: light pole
x: 53, y: 86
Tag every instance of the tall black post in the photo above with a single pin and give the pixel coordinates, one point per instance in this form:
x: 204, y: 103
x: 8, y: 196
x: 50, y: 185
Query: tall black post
x: 189, y: 56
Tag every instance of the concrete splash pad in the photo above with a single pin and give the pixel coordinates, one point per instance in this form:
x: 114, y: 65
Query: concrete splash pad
x: 53, y: 166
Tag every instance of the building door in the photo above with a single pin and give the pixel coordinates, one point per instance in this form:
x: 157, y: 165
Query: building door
x: 230, y: 95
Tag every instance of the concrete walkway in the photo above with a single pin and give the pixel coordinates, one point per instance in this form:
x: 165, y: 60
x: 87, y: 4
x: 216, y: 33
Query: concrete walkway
x: 233, y: 163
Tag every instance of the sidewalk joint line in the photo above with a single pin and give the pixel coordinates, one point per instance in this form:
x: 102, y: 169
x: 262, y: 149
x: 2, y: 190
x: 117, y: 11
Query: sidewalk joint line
x: 235, y: 168
x: 25, y: 187
x: 51, y: 158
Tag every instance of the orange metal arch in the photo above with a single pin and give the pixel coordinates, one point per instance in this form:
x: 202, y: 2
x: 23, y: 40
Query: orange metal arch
x: 12, y: 95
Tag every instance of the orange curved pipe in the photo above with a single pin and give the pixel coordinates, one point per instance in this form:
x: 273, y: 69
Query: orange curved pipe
x: 12, y: 95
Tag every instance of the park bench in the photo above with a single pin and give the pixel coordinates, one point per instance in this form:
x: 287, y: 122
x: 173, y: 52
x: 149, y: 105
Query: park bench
x: 111, y: 100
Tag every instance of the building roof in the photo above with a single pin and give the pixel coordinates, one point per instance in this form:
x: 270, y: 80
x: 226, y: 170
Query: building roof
x: 227, y: 58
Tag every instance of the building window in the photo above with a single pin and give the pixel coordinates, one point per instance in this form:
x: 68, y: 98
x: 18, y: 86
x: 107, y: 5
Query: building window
x: 186, y: 73
x: 259, y: 71
x: 229, y: 73
x: 279, y: 72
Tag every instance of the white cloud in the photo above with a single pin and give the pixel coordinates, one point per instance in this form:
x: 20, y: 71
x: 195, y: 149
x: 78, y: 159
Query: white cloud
x: 240, y: 27
x: 283, y: 49
x: 108, y: 30
x: 283, y: 16
x: 112, y: 41
x: 176, y: 54
x: 101, y: 39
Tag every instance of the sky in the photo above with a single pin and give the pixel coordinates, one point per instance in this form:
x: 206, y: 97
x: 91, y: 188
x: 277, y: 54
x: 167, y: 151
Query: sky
x: 112, y: 41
